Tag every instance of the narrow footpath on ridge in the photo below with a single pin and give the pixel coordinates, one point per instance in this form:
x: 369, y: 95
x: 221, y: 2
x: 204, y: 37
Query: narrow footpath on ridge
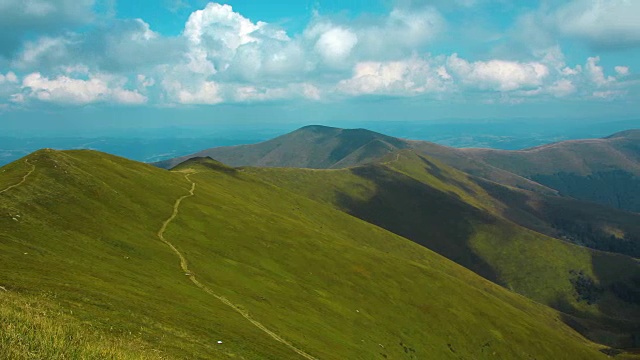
x: 24, y: 178
x: 185, y: 268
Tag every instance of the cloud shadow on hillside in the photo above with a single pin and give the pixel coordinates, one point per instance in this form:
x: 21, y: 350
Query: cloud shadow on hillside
x: 436, y: 220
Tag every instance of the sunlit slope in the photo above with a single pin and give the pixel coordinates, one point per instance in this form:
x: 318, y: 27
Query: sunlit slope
x: 85, y: 243
x: 444, y: 210
x: 86, y: 236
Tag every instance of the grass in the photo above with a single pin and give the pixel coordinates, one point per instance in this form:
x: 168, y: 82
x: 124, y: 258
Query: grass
x: 444, y: 210
x: 34, y: 328
x: 330, y: 284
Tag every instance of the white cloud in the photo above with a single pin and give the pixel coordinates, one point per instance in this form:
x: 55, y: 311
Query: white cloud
x: 311, y: 92
x: 124, y: 45
x: 9, y: 84
x: 215, y: 33
x: 609, y: 94
x: 144, y: 81
x: 10, y: 78
x: 413, y: 76
x: 66, y: 90
x: 202, y: 93
x: 396, y: 35
x: 335, y: 45
x: 498, y: 75
x: 622, y: 70
x: 244, y: 93
x: 605, y: 23
x: 223, y: 56
x: 19, y: 18
x: 42, y: 50
x: 568, y: 71
x: 413, y: 28
x: 561, y: 88
x: 596, y: 72
x: 122, y: 96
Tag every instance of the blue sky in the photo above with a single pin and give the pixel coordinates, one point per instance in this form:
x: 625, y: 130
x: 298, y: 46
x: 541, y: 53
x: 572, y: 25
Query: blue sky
x: 186, y: 61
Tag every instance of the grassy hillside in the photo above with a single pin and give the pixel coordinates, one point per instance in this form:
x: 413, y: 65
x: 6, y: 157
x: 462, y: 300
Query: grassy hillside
x: 34, y: 327
x: 583, y: 223
x: 605, y: 171
x: 446, y: 211
x: 81, y: 240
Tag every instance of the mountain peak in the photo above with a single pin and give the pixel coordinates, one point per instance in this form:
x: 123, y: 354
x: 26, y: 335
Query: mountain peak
x: 206, y: 162
x: 318, y: 128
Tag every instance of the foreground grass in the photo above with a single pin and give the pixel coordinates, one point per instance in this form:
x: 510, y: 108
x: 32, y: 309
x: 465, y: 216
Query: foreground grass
x: 32, y: 327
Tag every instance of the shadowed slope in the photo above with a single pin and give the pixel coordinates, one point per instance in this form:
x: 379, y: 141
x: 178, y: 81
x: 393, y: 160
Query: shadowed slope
x: 606, y: 170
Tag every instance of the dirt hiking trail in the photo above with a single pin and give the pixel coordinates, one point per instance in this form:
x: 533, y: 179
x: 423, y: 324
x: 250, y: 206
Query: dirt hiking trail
x: 185, y: 268
x: 24, y: 178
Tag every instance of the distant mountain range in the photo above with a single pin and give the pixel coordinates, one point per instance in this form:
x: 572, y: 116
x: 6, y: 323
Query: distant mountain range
x: 605, y: 171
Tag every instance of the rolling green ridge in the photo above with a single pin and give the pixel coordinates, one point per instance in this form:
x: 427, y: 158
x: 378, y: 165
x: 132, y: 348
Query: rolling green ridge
x: 605, y: 171
x: 463, y: 219
x: 81, y: 242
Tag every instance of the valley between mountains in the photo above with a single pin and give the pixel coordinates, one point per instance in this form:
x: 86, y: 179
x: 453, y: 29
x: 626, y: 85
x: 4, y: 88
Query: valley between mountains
x: 323, y: 244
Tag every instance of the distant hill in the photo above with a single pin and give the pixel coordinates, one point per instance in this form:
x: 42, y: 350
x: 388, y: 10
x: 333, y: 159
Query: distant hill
x: 318, y: 147
x: 209, y: 261
x: 606, y: 171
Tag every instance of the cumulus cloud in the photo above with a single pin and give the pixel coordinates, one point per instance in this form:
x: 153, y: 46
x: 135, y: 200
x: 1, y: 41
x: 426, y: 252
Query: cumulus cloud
x: 223, y: 56
x: 108, y: 48
x: 67, y: 90
x: 9, y: 84
x: 8, y: 78
x: 395, y: 35
x: 207, y: 92
x: 21, y: 17
x: 215, y: 33
x: 562, y: 87
x: 596, y: 72
x: 413, y: 76
x: 603, y: 23
x: 622, y: 70
x: 335, y: 45
x: 498, y: 75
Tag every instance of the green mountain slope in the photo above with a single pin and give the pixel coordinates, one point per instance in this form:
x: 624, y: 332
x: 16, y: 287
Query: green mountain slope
x: 448, y: 212
x: 606, y: 171
x: 82, y: 239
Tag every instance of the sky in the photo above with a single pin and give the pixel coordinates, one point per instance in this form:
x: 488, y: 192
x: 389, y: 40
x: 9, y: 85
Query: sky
x: 68, y: 63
